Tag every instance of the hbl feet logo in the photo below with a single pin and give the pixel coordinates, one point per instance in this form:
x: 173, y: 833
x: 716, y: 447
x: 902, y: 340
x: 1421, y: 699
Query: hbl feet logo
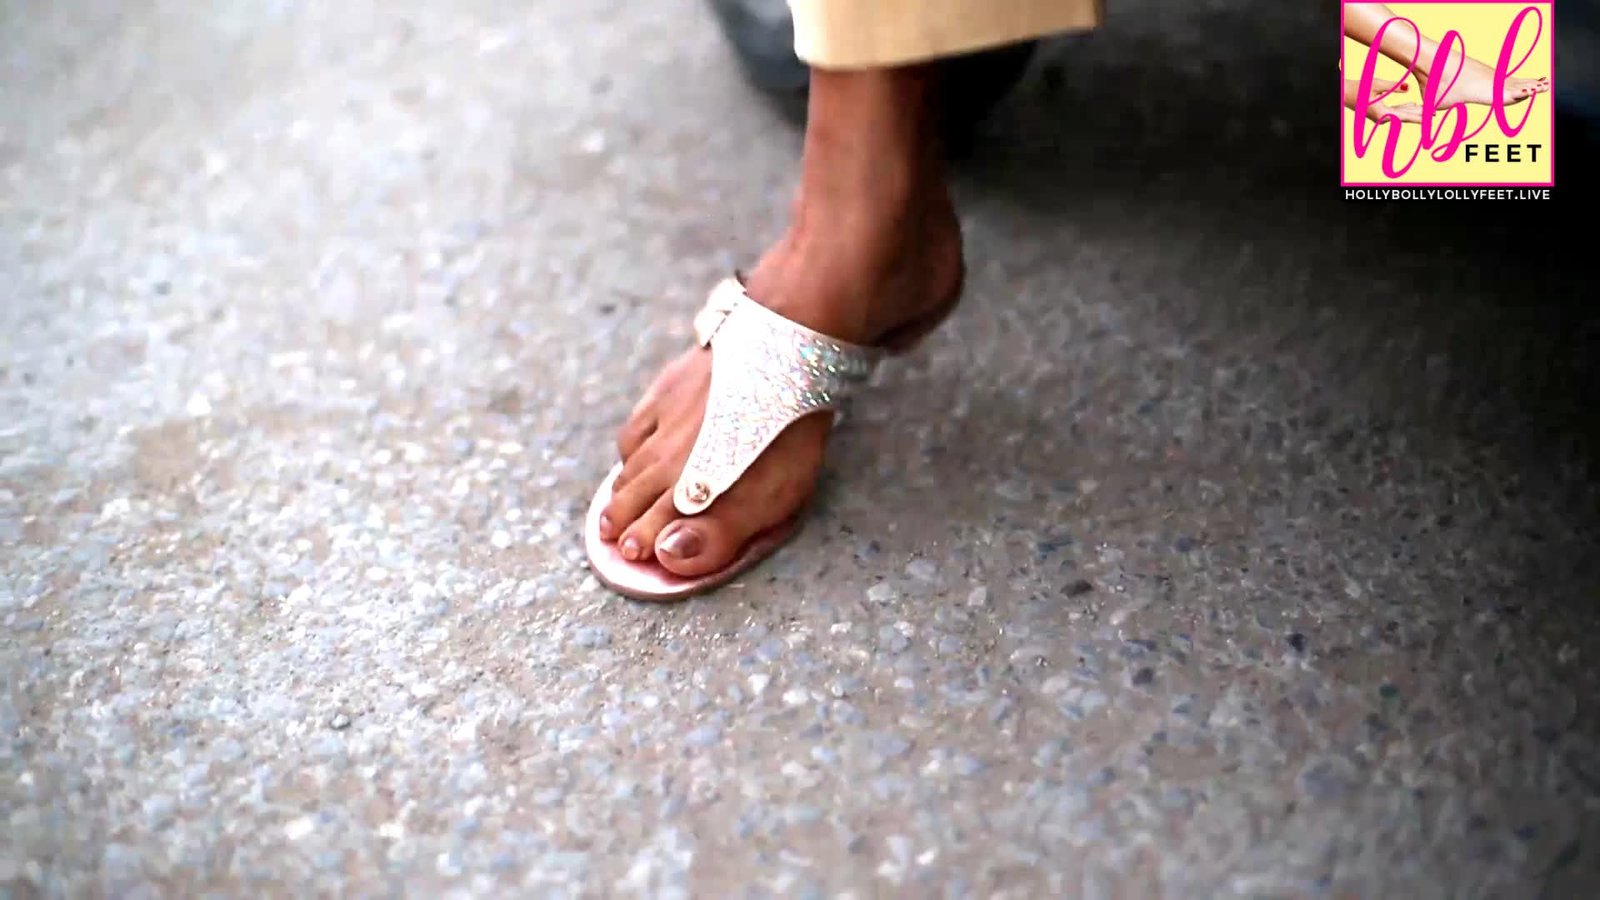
x: 1447, y: 100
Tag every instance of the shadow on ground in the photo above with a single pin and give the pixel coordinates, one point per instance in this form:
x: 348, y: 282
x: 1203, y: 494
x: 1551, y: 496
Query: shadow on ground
x: 1240, y: 148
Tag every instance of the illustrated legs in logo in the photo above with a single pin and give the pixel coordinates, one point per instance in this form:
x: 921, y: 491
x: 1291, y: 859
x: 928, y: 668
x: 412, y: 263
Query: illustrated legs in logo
x: 1405, y: 112
x: 1406, y: 45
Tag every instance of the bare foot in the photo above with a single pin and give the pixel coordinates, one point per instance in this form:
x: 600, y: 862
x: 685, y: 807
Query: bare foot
x: 874, y: 244
x: 1476, y: 84
x: 1405, y: 112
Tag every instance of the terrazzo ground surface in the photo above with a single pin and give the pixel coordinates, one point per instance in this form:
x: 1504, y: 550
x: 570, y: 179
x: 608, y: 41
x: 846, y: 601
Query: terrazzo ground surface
x: 1231, y: 540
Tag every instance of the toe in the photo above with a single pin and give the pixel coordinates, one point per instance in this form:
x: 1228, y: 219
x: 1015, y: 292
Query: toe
x: 639, y: 462
x: 772, y: 491
x: 1523, y: 89
x: 630, y: 501
x: 632, y: 435
x: 639, y: 539
x: 643, y: 419
x: 702, y: 544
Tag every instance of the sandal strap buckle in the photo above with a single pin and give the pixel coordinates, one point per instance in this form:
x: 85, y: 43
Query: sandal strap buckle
x: 708, y: 321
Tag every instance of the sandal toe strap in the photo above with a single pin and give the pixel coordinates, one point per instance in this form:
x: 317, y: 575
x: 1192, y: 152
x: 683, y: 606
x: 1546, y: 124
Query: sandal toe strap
x: 766, y: 372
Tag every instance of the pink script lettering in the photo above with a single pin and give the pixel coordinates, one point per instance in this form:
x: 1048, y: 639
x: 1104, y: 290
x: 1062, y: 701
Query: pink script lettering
x: 1439, y: 84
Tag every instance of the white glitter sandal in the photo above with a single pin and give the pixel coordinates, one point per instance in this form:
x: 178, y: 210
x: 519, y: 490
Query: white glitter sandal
x: 766, y: 372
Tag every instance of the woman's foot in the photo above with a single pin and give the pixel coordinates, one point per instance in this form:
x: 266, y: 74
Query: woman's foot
x: 1405, y: 112
x: 874, y: 247
x: 1476, y: 84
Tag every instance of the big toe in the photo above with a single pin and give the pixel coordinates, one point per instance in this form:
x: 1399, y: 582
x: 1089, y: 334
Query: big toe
x: 768, y: 495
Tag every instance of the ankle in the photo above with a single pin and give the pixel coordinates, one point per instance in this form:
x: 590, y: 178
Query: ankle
x: 859, y: 274
x: 873, y: 218
x: 873, y: 241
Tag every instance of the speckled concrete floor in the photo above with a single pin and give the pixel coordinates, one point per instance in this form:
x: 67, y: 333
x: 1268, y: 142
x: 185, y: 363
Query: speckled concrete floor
x: 1232, y: 540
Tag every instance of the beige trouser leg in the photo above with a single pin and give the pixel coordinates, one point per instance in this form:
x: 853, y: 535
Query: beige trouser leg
x: 860, y: 34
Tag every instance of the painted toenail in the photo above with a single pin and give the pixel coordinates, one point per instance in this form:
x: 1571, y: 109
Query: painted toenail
x: 631, y: 548
x: 683, y: 543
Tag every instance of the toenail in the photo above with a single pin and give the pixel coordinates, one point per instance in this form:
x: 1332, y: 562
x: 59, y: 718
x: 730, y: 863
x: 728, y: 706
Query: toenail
x: 683, y: 543
x: 605, y: 525
x: 631, y: 548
